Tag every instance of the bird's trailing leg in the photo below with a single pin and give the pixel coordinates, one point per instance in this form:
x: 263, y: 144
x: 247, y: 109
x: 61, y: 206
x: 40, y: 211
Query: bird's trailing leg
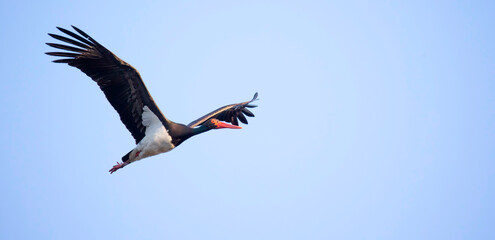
x: 117, y: 167
x: 125, y: 162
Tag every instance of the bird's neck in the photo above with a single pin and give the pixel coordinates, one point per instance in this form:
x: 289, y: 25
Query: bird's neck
x: 200, y: 129
x: 181, y: 133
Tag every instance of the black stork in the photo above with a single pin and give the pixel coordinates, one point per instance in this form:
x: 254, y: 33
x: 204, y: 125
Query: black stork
x: 126, y: 92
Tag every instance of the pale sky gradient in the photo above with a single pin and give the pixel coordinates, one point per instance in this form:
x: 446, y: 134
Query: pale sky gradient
x: 375, y: 121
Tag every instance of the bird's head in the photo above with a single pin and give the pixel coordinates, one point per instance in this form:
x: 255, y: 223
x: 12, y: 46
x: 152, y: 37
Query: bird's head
x: 216, y: 124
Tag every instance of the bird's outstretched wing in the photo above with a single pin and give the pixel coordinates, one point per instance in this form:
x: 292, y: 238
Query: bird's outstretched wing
x: 121, y: 83
x: 229, y: 113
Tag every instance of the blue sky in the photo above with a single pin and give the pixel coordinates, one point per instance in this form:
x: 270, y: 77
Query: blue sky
x: 375, y: 121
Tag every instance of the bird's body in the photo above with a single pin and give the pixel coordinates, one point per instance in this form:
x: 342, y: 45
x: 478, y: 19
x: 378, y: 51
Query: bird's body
x: 126, y: 92
x: 156, y: 139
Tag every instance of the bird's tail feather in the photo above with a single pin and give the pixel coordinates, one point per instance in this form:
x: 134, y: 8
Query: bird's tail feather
x: 126, y: 157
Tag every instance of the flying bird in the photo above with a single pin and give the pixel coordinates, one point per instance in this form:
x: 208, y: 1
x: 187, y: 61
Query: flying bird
x: 126, y: 92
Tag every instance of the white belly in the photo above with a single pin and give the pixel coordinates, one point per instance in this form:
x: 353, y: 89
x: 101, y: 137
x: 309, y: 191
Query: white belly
x: 159, y: 142
x: 156, y: 140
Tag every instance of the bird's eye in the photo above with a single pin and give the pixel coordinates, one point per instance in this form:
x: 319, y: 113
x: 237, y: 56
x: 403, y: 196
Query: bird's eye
x: 215, y: 122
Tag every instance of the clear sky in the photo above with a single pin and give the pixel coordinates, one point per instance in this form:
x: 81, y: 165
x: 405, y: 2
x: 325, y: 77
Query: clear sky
x: 375, y: 121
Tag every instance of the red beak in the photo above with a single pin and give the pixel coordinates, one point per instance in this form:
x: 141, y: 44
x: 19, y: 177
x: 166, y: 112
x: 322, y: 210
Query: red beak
x: 226, y: 125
